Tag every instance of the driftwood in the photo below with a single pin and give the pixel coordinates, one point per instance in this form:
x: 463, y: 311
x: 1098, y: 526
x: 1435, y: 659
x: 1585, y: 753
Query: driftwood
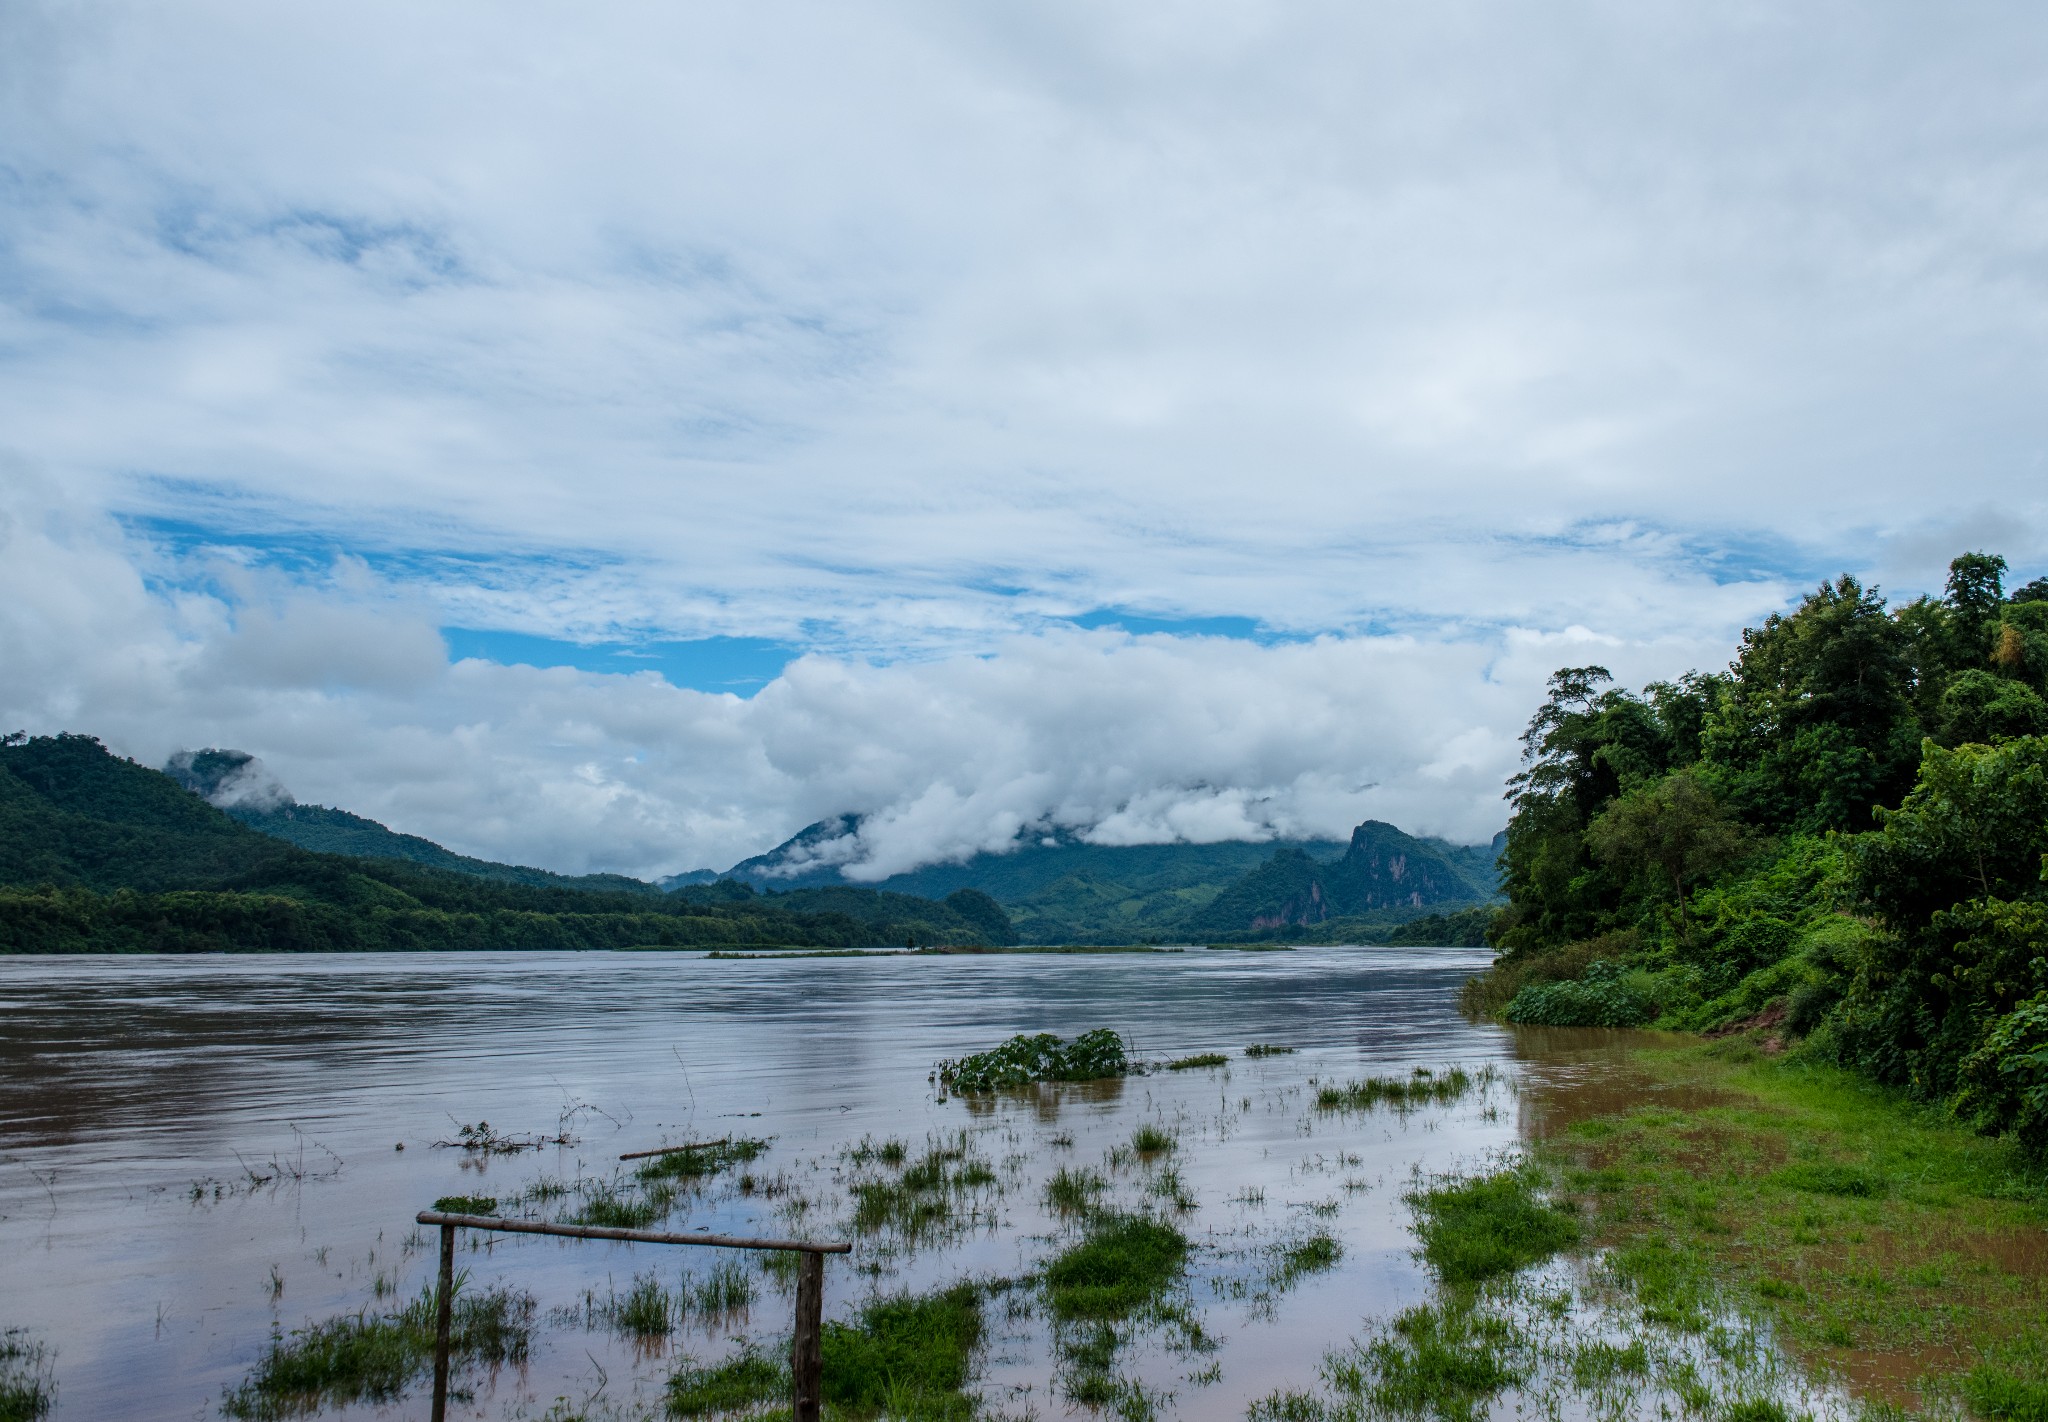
x: 676, y: 1150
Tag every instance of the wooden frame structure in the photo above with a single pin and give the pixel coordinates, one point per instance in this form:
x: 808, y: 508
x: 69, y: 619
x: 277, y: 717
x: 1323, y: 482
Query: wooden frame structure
x: 806, y: 1360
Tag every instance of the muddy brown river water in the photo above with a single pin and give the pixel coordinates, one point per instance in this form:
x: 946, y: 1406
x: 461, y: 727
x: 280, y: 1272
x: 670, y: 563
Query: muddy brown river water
x: 196, y: 1152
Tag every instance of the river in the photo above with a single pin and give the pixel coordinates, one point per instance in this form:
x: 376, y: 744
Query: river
x: 195, y: 1152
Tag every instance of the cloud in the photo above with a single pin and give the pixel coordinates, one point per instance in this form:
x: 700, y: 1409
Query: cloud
x: 1437, y: 344
x: 1107, y: 736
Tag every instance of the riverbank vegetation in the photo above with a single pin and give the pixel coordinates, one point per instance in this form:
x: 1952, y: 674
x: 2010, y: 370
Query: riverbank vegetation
x: 28, y: 1389
x: 1838, y: 842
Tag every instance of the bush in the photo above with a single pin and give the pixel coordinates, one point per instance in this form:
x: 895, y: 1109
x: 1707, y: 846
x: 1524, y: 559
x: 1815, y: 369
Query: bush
x: 1604, y: 997
x: 2005, y: 1081
x: 1025, y: 1059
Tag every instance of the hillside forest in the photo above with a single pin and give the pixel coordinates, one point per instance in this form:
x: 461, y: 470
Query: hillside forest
x: 1837, y: 842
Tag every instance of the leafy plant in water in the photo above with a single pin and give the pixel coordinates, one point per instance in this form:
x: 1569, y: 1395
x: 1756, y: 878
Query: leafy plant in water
x: 1092, y: 1056
x: 1203, y: 1059
x: 466, y: 1204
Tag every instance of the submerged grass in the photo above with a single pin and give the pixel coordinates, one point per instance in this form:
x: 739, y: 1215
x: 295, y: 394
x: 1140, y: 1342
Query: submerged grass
x: 1423, y: 1087
x: 366, y: 1357
x: 1122, y: 1263
x: 904, y: 1356
x: 1480, y: 1227
x: 1202, y: 1059
x: 1268, y: 1049
x: 697, y: 1162
x: 1073, y: 1190
x: 28, y: 1386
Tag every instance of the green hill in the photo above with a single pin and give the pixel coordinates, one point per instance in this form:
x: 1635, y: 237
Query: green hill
x: 211, y: 774
x: 100, y: 854
x: 1068, y: 891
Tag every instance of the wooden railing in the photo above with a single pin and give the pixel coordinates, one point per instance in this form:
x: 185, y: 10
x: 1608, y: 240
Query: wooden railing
x: 806, y: 1359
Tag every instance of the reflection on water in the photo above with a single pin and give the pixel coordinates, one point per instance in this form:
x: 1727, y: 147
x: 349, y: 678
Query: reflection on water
x: 195, y: 1151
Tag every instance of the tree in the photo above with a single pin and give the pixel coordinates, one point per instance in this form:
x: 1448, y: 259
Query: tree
x: 1675, y: 831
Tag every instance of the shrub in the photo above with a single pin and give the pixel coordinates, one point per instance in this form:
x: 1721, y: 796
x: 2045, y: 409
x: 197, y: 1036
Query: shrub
x: 1022, y: 1060
x: 1604, y: 997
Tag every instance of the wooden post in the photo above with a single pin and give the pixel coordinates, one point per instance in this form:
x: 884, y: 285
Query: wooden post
x: 806, y: 1348
x: 443, y: 1322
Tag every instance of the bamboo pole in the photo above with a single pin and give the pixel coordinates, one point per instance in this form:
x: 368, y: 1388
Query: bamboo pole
x: 630, y: 1236
x: 676, y: 1149
x: 445, y: 1311
x: 806, y: 1344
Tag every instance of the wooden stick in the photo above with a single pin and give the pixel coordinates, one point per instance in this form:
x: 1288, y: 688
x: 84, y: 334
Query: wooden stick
x: 674, y: 1150
x: 806, y: 1345
x: 631, y: 1236
x: 446, y: 1312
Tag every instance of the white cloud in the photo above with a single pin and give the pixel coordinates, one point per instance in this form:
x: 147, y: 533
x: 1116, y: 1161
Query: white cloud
x: 1116, y: 738
x: 1459, y: 340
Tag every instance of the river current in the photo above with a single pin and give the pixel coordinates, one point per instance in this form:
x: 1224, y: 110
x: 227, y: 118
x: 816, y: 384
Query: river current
x: 196, y: 1152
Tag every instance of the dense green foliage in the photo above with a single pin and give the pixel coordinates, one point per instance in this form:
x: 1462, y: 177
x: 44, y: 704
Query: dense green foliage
x: 1840, y: 838
x: 99, y: 854
x: 1024, y: 1059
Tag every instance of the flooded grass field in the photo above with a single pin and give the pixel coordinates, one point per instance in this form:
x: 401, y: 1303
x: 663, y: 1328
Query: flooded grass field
x: 209, y: 1171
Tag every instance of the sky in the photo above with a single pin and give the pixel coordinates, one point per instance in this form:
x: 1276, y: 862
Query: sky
x: 615, y: 437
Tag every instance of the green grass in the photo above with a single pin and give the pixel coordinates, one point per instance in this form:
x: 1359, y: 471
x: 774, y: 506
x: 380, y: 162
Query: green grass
x: 1204, y: 1059
x: 700, y: 1161
x: 726, y: 1289
x: 28, y: 1388
x: 1149, y: 1139
x: 1841, y: 1213
x: 1477, y: 1228
x: 743, y: 1381
x: 904, y: 1356
x: 1421, y: 1088
x: 366, y: 1357
x: 1122, y: 1263
x: 466, y: 1204
x: 1301, y: 1257
x: 1444, y: 1360
x: 612, y: 1208
x: 1072, y: 1191
x: 646, y: 1310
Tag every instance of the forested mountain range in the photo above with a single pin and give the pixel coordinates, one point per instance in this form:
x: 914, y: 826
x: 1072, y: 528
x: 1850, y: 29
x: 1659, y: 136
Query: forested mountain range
x: 1839, y: 840
x: 100, y: 854
x: 1069, y: 891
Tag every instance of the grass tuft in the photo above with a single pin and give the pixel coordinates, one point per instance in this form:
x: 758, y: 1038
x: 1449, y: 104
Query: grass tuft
x: 1204, y: 1059
x: 1072, y: 1191
x: 1149, y: 1139
x: 1478, y: 1228
x: 364, y: 1357
x: 1444, y: 1360
x: 466, y: 1204
x: 700, y: 1161
x: 1423, y: 1088
x: 28, y: 1389
x: 1123, y: 1263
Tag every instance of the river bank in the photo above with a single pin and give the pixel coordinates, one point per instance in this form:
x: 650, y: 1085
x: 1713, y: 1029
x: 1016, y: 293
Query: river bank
x: 1878, y: 1242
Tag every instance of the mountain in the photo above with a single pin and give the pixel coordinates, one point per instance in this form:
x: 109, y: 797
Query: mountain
x: 1058, y: 889
x: 1384, y: 873
x: 234, y: 782
x: 99, y: 854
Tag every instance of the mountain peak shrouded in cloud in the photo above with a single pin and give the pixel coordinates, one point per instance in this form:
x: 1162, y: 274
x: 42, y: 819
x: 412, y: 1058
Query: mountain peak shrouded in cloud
x: 640, y: 435
x: 228, y: 779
